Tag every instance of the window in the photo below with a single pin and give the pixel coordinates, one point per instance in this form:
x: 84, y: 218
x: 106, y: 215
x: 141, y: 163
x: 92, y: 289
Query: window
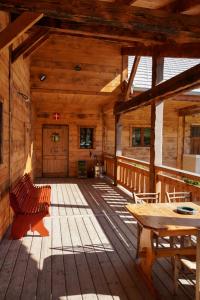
x: 86, y: 138
x: 141, y: 137
x: 1, y: 132
x: 195, y: 139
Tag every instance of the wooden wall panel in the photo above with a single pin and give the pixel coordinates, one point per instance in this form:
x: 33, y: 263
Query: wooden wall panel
x: 17, y: 159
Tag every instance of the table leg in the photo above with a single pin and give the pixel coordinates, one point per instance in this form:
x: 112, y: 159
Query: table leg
x: 197, y: 297
x: 146, y: 256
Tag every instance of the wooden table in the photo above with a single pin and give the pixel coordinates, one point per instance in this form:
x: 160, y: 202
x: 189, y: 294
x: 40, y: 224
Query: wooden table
x: 163, y: 219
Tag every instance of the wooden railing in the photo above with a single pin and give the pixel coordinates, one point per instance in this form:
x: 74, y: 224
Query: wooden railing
x: 134, y: 175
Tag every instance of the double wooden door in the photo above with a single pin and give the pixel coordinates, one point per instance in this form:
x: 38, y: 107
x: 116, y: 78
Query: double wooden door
x: 55, y: 151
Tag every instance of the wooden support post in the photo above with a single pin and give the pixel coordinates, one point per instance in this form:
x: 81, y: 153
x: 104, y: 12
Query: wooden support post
x: 118, y: 149
x: 132, y: 76
x: 156, y: 124
x: 180, y: 141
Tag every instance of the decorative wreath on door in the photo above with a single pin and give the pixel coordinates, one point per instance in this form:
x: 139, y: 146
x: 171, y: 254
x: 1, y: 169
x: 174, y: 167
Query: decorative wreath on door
x: 55, y: 137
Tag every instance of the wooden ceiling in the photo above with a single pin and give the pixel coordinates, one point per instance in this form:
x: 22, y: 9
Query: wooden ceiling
x: 84, y: 40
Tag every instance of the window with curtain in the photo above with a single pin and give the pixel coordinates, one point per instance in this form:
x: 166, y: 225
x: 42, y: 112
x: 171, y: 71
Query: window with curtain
x: 141, y: 136
x: 195, y: 139
x: 86, y: 137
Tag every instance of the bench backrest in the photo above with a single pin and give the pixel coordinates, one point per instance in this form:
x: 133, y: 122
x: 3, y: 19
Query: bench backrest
x: 20, y: 192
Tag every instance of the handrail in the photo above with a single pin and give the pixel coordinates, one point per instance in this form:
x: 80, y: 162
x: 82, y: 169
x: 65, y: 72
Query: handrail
x: 134, y: 175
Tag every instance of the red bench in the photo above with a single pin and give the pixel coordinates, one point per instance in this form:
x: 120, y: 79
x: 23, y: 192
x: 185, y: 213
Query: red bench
x: 30, y: 204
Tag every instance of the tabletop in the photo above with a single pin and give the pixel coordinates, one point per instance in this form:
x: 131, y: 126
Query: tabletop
x: 163, y: 216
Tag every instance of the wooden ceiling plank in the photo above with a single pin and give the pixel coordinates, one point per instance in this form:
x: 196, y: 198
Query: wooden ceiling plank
x: 132, y: 76
x: 125, y: 2
x: 190, y: 50
x: 105, y: 19
x: 36, y: 45
x: 15, y: 29
x: 178, y: 6
x: 189, y: 110
x: 28, y: 43
x: 181, y: 83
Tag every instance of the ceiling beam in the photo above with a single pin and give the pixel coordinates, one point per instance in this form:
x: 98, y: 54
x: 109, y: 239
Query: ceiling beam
x: 189, y: 110
x: 125, y: 2
x: 98, y: 18
x: 169, y: 50
x: 178, y: 84
x: 36, y: 45
x: 28, y: 44
x: 132, y: 76
x: 15, y: 29
x: 178, y: 6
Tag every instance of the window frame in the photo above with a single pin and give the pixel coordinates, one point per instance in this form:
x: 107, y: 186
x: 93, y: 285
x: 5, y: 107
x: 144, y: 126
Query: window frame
x: 192, y: 138
x: 142, y: 129
x: 79, y: 136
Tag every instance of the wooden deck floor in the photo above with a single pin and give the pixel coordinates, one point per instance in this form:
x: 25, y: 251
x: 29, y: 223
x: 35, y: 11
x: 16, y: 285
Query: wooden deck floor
x: 89, y: 254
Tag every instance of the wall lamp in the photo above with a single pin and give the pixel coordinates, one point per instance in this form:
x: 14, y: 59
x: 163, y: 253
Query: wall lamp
x: 42, y: 76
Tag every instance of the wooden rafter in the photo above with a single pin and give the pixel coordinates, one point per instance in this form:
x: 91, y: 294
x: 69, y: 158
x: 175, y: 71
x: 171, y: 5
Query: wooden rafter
x: 28, y: 44
x: 125, y: 2
x: 36, y: 45
x: 169, y: 50
x: 178, y: 84
x: 178, y: 6
x: 15, y: 29
x: 107, y: 20
x: 132, y: 76
x: 189, y: 110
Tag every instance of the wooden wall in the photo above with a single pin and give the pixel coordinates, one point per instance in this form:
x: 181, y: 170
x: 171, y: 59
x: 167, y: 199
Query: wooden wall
x: 17, y: 139
x: 173, y: 133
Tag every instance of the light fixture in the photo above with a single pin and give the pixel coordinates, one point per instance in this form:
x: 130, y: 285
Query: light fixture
x: 77, y: 68
x: 42, y: 76
x: 25, y: 97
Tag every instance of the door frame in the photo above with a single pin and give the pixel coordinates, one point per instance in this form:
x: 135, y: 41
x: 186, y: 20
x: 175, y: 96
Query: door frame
x: 58, y: 126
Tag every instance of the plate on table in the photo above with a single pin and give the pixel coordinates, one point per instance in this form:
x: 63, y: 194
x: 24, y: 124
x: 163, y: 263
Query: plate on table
x: 186, y: 210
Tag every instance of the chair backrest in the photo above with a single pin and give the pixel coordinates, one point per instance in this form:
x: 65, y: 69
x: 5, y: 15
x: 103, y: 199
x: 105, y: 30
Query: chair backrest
x: 140, y: 198
x: 179, y: 197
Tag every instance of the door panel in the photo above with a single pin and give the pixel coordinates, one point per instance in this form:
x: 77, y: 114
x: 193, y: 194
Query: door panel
x: 55, y: 151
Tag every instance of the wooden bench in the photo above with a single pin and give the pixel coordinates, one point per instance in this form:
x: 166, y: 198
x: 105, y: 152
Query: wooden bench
x: 30, y: 204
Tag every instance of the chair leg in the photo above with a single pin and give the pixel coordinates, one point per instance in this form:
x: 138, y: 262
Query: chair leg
x: 40, y: 228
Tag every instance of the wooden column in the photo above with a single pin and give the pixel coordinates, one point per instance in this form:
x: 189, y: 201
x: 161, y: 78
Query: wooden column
x: 180, y: 141
x: 118, y: 145
x: 156, y: 124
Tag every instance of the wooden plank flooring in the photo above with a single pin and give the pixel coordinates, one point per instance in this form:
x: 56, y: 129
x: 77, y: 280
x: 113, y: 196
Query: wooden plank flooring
x: 89, y: 254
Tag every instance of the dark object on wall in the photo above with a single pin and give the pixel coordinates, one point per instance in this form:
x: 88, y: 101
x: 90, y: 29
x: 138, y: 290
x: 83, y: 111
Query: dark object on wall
x: 82, y: 169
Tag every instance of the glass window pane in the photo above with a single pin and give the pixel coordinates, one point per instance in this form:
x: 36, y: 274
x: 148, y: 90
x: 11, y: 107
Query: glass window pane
x: 195, y: 131
x: 136, y: 136
x: 147, y: 136
x: 86, y: 137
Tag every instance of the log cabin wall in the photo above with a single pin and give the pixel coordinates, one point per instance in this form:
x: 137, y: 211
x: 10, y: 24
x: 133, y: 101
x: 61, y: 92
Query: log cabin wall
x: 17, y: 140
x: 82, y: 75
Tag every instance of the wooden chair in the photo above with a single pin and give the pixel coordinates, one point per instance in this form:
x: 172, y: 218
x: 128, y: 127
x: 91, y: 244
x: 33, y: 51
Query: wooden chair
x: 178, y: 197
x: 140, y: 198
x: 183, y: 265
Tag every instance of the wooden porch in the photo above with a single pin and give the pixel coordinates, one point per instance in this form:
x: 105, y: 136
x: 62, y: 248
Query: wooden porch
x: 89, y: 254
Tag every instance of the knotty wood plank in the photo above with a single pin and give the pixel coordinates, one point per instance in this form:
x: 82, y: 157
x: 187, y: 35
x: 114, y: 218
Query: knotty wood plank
x: 14, y: 30
x: 44, y: 276
x: 71, y: 273
x: 85, y: 279
x: 8, y: 266
x: 30, y: 282
x: 98, y: 278
x: 58, y: 271
x: 67, y: 201
x: 18, y: 275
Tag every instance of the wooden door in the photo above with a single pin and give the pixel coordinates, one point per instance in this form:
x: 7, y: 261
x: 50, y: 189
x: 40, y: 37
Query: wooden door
x: 55, y: 151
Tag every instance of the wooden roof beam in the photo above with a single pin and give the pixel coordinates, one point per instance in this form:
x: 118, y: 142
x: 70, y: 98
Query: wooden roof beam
x: 132, y: 76
x: 191, y: 50
x: 178, y: 6
x: 98, y: 18
x: 29, y: 43
x: 125, y: 2
x: 189, y: 110
x: 181, y: 83
x: 15, y: 29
